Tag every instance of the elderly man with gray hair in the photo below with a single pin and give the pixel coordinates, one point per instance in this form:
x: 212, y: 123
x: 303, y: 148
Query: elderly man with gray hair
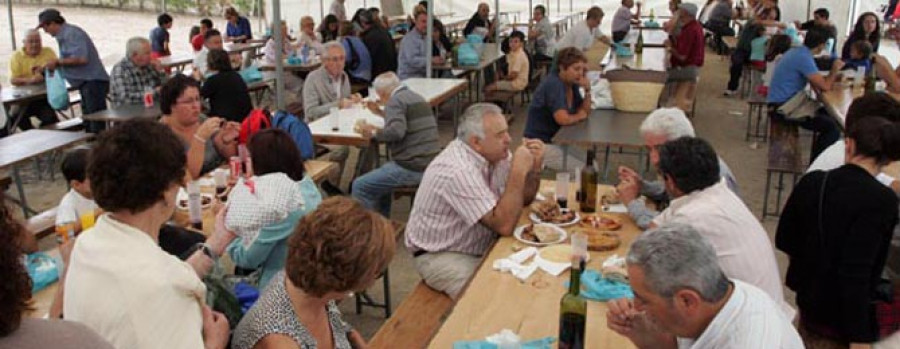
x: 662, y: 125
x: 683, y: 299
x: 411, y: 134
x: 25, y: 68
x: 135, y: 75
x: 473, y: 191
x: 328, y: 87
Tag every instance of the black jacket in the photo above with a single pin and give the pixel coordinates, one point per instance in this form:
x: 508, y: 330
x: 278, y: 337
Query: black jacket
x: 835, y: 272
x: 228, y: 96
x: 381, y: 49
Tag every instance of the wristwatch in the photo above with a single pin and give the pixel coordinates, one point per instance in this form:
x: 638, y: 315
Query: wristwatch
x: 207, y: 250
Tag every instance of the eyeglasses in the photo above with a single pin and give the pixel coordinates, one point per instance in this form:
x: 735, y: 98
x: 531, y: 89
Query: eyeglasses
x: 189, y: 101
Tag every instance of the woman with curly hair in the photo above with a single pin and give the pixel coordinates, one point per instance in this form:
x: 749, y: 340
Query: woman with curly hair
x: 16, y: 331
x: 337, y: 249
x: 120, y: 282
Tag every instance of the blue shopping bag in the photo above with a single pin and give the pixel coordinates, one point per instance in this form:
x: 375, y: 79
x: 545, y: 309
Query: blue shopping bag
x: 57, y: 93
x: 251, y: 74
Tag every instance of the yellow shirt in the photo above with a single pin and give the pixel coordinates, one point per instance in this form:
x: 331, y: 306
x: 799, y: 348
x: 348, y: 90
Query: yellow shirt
x: 518, y: 62
x: 21, y: 63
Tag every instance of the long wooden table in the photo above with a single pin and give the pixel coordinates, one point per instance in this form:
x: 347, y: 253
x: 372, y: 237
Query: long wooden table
x: 490, y: 54
x: 837, y: 100
x: 315, y: 169
x: 438, y: 91
x: 604, y: 127
x: 24, y: 146
x: 652, y: 38
x: 494, y: 301
x: 653, y: 58
x: 124, y: 113
x: 178, y: 61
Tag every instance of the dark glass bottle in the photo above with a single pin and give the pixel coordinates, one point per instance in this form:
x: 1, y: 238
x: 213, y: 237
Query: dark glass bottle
x: 589, y: 179
x: 573, y: 311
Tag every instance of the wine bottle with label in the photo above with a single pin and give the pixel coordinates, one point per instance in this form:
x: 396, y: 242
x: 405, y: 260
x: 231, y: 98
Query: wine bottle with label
x: 589, y: 178
x: 573, y: 311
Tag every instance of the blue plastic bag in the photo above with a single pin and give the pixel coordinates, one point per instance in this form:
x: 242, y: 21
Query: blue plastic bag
x: 42, y: 269
x: 597, y: 288
x: 543, y: 343
x: 251, y: 74
x: 57, y: 93
x: 467, y: 55
x: 474, y: 39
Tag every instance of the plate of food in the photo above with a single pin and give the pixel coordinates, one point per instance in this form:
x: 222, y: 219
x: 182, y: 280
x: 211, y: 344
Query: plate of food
x: 548, y: 211
x: 602, y: 240
x: 602, y: 222
x: 540, y: 234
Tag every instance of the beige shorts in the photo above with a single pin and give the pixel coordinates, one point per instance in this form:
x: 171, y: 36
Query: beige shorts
x: 448, y: 272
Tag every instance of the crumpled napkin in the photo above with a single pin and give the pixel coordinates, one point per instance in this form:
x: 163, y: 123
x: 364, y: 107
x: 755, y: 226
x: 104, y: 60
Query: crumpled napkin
x: 505, y: 339
x: 598, y: 288
x: 513, y: 264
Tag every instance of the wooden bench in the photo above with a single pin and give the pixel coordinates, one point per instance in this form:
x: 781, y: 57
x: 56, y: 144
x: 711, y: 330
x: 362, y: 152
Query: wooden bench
x: 503, y: 99
x: 784, y: 159
x: 42, y: 224
x: 416, y: 320
x: 756, y: 106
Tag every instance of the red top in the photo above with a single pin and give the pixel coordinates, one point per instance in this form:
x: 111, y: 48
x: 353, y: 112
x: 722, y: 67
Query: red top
x: 197, y: 42
x: 689, y: 44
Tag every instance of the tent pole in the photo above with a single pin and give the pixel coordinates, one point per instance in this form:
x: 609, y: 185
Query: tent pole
x: 321, y: 9
x: 163, y: 5
x: 12, y: 27
x: 428, y: 39
x: 279, y: 52
x: 497, y: 22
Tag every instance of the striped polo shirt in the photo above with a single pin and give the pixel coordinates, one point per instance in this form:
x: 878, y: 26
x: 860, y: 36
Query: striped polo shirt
x: 459, y: 187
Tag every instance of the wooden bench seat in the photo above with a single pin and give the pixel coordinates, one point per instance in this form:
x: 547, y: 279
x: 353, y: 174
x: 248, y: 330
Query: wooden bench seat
x: 784, y: 159
x: 42, y: 224
x: 415, y: 321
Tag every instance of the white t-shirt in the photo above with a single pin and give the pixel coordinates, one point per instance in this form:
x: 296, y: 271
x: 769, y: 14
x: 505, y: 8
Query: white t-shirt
x: 200, y: 61
x: 749, y: 319
x: 72, y: 206
x: 580, y: 37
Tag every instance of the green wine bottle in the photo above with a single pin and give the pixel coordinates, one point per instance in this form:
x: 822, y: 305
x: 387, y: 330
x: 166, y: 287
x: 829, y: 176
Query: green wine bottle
x: 573, y: 311
x: 589, y: 178
x: 639, y: 46
x: 870, y: 79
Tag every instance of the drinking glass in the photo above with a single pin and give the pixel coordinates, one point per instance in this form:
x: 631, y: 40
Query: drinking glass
x: 87, y: 220
x: 335, y: 119
x: 562, y: 189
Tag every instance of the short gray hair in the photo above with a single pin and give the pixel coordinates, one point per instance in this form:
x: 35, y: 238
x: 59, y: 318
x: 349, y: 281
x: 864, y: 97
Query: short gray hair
x: 386, y: 82
x: 330, y: 45
x: 134, y: 45
x: 676, y: 257
x: 670, y: 122
x: 472, y: 123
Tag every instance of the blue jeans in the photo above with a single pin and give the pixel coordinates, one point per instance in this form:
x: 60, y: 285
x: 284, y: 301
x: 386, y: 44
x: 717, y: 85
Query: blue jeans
x: 374, y: 189
x: 93, y: 99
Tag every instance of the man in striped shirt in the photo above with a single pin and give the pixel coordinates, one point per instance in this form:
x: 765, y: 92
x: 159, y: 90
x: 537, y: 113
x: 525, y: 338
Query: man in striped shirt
x: 471, y: 192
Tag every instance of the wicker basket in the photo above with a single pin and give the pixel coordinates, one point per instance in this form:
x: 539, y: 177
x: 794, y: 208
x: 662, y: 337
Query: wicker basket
x: 595, y: 55
x: 635, y: 91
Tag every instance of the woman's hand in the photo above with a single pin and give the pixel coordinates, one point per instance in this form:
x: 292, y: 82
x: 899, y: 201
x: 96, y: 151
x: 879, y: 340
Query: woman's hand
x: 207, y: 129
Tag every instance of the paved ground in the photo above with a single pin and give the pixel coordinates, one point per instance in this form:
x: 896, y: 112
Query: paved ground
x: 719, y: 119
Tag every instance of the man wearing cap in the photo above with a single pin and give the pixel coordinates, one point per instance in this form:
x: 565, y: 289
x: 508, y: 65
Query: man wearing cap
x: 79, y: 62
x: 686, y: 54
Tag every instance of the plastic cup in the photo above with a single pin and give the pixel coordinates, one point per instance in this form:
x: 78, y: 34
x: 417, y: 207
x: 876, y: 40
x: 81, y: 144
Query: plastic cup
x: 562, y: 189
x: 66, y: 231
x: 335, y: 119
x: 860, y: 75
x: 87, y: 220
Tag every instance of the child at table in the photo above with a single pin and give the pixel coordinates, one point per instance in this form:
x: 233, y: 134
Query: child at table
x: 860, y: 56
x: 79, y: 200
x: 778, y: 45
x: 758, y: 47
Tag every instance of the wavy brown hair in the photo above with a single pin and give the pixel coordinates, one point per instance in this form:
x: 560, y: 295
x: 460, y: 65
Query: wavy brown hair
x: 339, y: 247
x: 15, y: 285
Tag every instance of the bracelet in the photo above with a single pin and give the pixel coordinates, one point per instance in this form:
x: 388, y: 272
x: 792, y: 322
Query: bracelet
x: 199, y: 138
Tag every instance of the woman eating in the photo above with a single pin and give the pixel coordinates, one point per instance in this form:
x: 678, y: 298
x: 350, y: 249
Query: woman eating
x: 208, y: 142
x: 338, y: 249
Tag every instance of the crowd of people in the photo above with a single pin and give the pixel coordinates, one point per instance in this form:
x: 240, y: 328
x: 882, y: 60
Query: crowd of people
x: 704, y: 272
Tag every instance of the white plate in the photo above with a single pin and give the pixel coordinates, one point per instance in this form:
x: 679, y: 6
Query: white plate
x: 534, y: 218
x: 562, y: 235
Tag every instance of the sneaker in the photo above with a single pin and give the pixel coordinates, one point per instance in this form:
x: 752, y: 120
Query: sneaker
x: 729, y: 93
